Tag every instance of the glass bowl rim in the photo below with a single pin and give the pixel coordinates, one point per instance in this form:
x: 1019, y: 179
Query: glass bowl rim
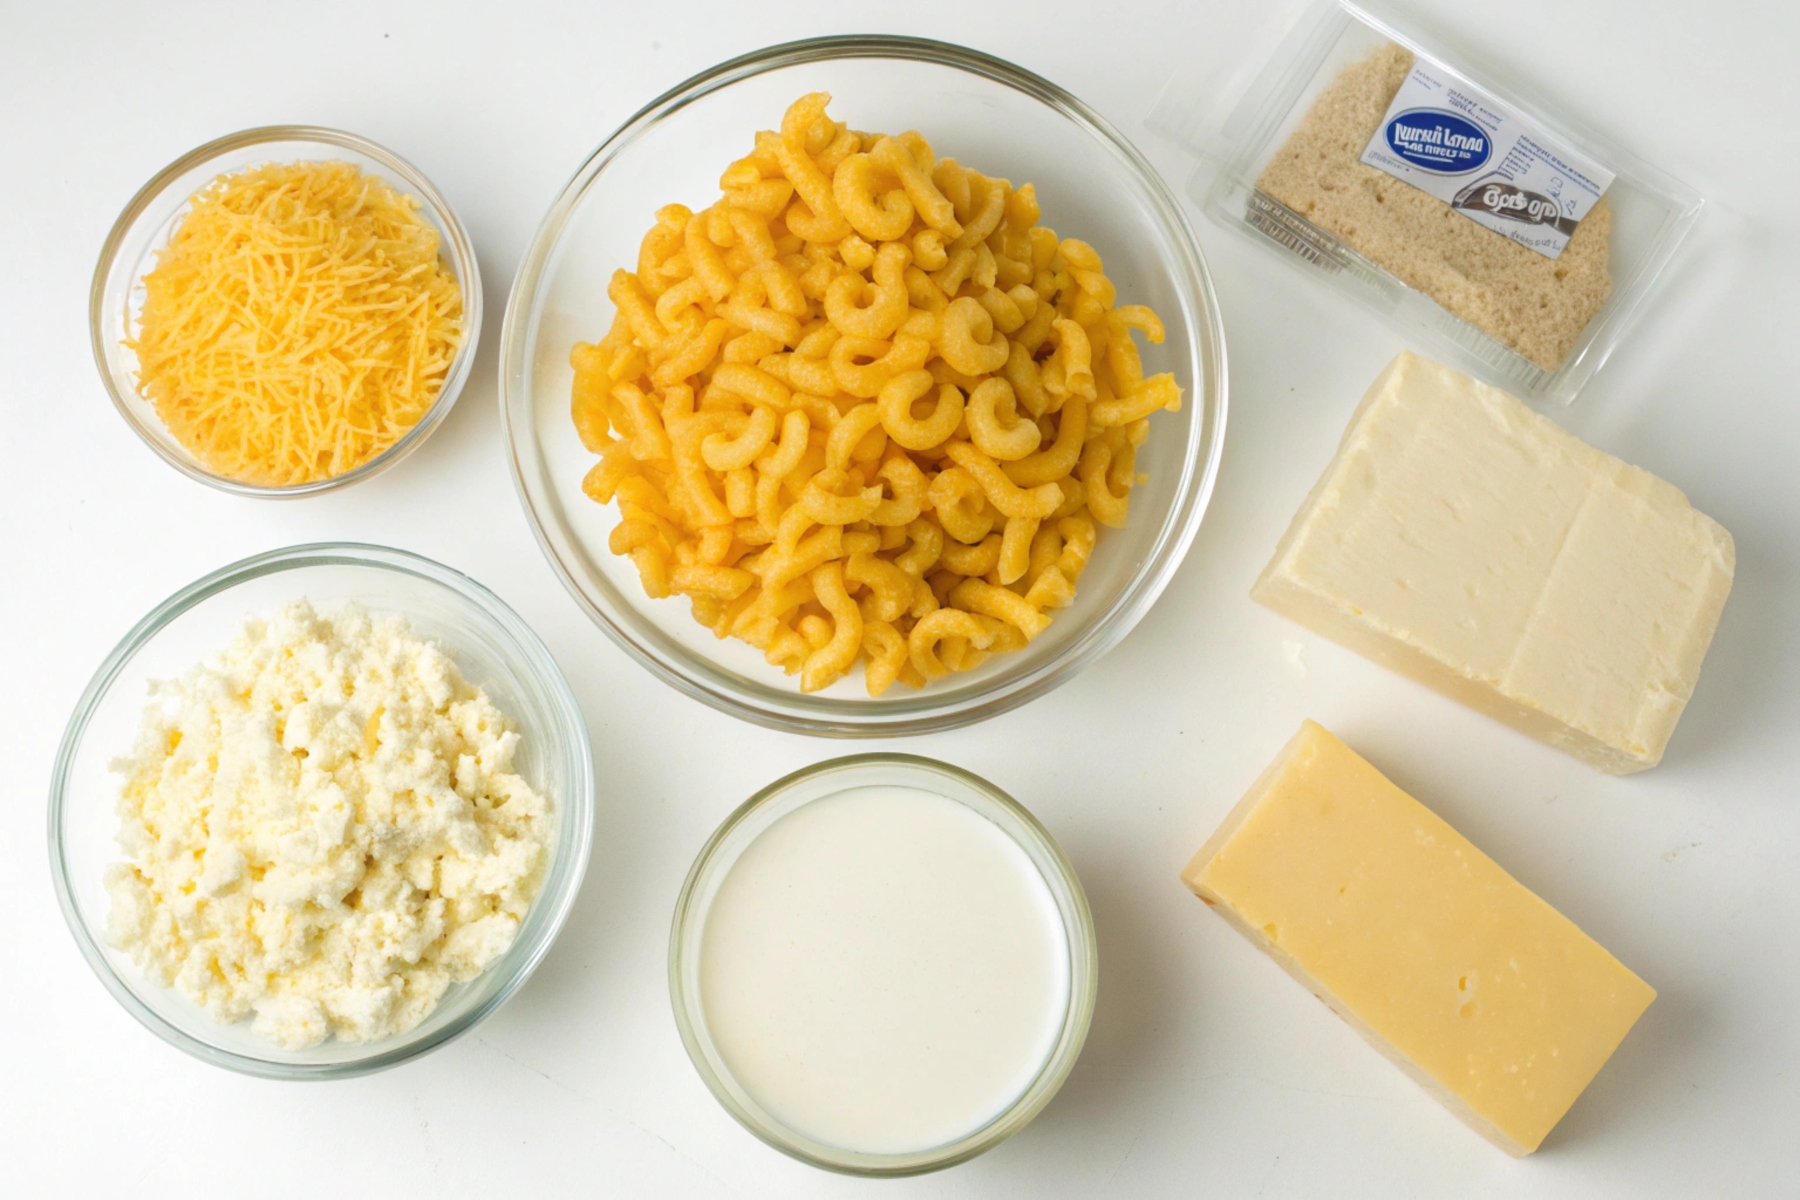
x: 571, y: 730
x: 456, y: 241
x: 1078, y: 930
x: 687, y: 671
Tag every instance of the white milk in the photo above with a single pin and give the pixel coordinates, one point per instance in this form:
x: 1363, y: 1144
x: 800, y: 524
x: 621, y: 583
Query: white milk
x: 884, y: 970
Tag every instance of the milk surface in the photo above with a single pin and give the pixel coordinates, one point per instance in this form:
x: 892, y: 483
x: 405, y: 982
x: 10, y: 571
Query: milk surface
x: 884, y: 970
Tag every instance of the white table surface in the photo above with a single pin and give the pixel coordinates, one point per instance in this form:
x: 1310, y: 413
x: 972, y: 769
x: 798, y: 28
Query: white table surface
x: 1208, y: 1072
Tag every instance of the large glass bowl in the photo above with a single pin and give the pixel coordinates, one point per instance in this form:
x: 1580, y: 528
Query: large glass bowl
x: 494, y: 649
x: 990, y: 114
x: 142, y: 230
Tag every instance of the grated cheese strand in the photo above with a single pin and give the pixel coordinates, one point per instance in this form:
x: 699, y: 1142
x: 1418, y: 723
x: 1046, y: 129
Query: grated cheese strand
x: 297, y: 324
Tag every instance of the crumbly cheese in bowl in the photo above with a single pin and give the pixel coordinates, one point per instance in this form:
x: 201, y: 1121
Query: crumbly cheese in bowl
x: 323, y: 830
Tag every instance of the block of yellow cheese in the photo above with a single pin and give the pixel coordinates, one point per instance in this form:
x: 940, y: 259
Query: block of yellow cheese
x: 1491, y: 999
x: 1466, y: 541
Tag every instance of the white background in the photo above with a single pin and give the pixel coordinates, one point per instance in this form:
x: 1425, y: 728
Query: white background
x: 1208, y: 1072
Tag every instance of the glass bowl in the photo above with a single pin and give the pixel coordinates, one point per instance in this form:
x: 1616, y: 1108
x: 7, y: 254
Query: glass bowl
x: 985, y: 112
x: 818, y: 782
x: 143, y: 229
x: 494, y: 649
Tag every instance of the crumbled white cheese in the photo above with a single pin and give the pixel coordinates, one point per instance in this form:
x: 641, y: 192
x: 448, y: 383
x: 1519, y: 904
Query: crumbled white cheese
x: 322, y: 827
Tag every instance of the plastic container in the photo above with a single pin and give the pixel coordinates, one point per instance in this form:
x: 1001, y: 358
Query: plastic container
x: 1093, y: 184
x: 1651, y: 212
x: 493, y: 648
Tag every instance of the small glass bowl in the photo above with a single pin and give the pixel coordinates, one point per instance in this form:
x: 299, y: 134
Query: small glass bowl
x: 1000, y: 119
x: 143, y: 229
x: 494, y: 649
x: 782, y: 797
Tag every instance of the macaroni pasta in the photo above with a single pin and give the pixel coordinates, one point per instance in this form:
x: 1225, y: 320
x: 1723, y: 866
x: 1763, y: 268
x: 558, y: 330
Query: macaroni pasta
x: 864, y: 407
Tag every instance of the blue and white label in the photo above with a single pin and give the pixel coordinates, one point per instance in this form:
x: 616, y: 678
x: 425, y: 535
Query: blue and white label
x: 1438, y: 141
x: 1452, y: 141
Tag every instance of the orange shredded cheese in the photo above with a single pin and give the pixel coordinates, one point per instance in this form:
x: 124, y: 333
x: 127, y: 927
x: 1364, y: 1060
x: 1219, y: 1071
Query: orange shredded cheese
x: 298, y: 323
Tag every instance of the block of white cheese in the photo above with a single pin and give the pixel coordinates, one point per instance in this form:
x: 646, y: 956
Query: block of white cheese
x: 1466, y: 541
x: 1491, y: 999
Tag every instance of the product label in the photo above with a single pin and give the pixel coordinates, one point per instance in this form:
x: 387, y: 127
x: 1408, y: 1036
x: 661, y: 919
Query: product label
x: 1488, y: 162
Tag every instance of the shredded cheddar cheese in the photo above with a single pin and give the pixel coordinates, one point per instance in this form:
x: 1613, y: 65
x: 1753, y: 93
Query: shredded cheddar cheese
x: 298, y: 323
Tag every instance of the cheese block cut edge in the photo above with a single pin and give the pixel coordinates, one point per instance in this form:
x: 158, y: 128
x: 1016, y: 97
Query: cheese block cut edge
x: 1356, y: 633
x: 1457, y: 1106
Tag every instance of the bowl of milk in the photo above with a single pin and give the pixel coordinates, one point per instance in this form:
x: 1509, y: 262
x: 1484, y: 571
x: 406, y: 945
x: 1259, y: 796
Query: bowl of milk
x: 882, y: 965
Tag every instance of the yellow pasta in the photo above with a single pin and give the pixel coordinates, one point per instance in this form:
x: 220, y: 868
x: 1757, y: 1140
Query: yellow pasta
x: 864, y: 408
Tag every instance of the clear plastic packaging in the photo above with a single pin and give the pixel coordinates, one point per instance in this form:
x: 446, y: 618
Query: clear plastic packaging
x: 1650, y: 212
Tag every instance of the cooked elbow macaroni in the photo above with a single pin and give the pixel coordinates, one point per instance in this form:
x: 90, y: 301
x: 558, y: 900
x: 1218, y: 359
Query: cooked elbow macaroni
x: 865, y: 407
